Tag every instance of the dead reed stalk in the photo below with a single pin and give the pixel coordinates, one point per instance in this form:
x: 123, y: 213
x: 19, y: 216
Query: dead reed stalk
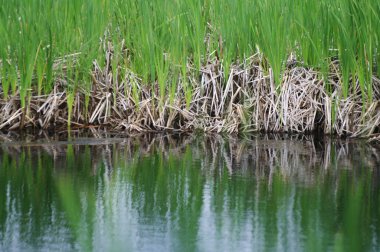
x: 242, y: 100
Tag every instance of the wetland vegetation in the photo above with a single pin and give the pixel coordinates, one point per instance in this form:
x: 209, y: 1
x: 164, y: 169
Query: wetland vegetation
x: 214, y: 65
x: 128, y: 67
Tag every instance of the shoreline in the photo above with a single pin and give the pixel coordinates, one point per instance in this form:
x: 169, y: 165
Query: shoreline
x: 244, y: 100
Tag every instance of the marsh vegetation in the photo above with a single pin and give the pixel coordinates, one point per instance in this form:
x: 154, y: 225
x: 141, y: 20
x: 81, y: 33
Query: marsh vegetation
x: 215, y: 65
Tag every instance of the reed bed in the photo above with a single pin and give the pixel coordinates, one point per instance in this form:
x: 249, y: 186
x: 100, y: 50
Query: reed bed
x: 211, y: 65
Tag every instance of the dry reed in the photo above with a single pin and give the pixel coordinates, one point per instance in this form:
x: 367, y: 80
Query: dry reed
x: 245, y: 99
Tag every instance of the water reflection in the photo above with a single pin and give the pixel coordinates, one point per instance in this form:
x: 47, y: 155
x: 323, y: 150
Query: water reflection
x: 189, y: 193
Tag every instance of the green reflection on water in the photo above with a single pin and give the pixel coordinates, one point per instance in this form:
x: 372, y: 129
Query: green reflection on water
x: 191, y: 194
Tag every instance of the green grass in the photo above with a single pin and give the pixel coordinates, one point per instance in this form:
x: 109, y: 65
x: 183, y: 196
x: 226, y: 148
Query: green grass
x: 155, y: 39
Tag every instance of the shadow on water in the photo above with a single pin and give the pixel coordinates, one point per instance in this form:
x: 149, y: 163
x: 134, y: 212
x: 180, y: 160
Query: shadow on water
x: 159, y: 192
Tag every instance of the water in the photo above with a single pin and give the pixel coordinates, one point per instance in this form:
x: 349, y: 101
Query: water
x: 162, y: 193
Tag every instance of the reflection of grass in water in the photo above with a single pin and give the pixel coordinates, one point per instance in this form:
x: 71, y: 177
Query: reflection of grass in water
x: 70, y: 201
x: 170, y: 189
x: 78, y: 205
x: 76, y: 197
x: 155, y: 194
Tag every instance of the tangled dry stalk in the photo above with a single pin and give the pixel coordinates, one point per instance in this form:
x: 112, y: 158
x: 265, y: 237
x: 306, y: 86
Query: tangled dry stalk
x: 242, y: 100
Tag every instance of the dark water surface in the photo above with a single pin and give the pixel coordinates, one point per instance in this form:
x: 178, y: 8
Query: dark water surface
x: 161, y: 193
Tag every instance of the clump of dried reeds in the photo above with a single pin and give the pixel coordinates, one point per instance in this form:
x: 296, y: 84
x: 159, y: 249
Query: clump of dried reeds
x: 245, y: 99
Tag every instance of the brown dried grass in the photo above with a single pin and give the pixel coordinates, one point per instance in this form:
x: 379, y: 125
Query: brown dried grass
x: 243, y: 100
